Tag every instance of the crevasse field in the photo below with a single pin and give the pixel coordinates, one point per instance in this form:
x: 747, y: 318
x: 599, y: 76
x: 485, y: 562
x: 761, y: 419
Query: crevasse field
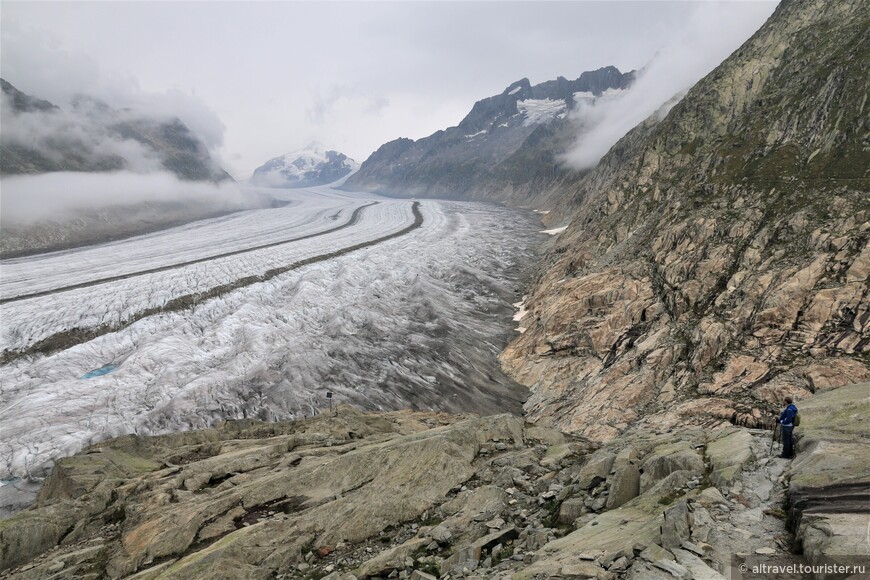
x: 416, y: 320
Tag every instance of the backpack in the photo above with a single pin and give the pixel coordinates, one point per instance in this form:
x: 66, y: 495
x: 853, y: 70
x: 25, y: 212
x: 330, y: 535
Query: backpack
x: 797, y: 419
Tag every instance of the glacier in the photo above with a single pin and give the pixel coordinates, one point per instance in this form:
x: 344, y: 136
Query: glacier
x: 413, y: 321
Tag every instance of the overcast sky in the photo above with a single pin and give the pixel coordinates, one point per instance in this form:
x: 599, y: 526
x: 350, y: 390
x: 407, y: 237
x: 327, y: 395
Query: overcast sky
x: 259, y: 79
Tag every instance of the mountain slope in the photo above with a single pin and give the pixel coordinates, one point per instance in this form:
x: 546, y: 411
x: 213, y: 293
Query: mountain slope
x: 91, y: 136
x: 314, y: 165
x: 504, y: 148
x: 718, y: 259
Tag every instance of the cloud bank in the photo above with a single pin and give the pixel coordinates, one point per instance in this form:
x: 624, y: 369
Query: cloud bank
x: 51, y: 196
x: 715, y: 30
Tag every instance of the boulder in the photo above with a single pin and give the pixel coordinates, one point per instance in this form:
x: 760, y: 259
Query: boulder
x: 596, y: 470
x: 549, y: 437
x: 441, y: 534
x: 623, y: 485
x: 624, y: 457
x: 469, y: 556
x: 570, y: 510
x: 674, y: 569
x: 654, y: 553
x: 677, y: 527
x: 389, y: 560
x: 728, y: 455
x: 584, y: 571
x: 612, y: 531
x: 665, y: 459
x: 698, y: 569
x: 711, y: 496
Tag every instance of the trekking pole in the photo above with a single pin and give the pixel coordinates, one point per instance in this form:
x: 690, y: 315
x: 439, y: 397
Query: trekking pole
x: 773, y: 439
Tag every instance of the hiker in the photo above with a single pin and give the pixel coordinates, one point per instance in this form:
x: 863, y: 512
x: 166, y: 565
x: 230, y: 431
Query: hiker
x: 786, y: 426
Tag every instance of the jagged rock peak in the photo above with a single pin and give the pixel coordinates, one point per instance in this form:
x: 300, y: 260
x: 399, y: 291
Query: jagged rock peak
x: 522, y: 84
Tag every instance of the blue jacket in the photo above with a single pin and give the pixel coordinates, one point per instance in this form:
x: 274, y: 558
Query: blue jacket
x: 787, y: 416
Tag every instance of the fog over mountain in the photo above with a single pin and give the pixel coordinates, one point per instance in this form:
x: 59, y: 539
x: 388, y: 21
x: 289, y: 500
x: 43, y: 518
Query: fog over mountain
x: 86, y: 172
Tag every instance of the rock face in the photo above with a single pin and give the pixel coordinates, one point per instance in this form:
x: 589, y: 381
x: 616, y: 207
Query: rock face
x: 505, y: 149
x: 91, y: 136
x: 717, y: 259
x: 307, y: 167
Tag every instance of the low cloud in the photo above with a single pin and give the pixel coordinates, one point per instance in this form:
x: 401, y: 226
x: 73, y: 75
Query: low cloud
x: 54, y: 196
x: 715, y: 31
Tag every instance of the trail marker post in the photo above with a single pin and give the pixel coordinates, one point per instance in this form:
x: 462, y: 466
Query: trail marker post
x: 329, y: 396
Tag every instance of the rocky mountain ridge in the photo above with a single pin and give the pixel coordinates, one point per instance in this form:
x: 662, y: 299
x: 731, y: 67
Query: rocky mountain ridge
x: 419, y: 495
x: 314, y: 165
x: 505, y: 149
x: 717, y: 259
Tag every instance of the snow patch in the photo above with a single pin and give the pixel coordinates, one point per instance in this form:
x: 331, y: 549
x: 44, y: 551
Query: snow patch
x: 516, y: 90
x: 521, y: 312
x: 473, y: 135
x: 555, y: 231
x: 538, y: 111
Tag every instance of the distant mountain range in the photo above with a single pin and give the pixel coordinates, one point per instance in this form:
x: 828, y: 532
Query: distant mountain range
x: 90, y: 136
x: 313, y: 165
x: 505, y: 149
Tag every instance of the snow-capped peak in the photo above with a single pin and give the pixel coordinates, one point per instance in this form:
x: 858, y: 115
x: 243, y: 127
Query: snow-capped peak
x: 313, y: 165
